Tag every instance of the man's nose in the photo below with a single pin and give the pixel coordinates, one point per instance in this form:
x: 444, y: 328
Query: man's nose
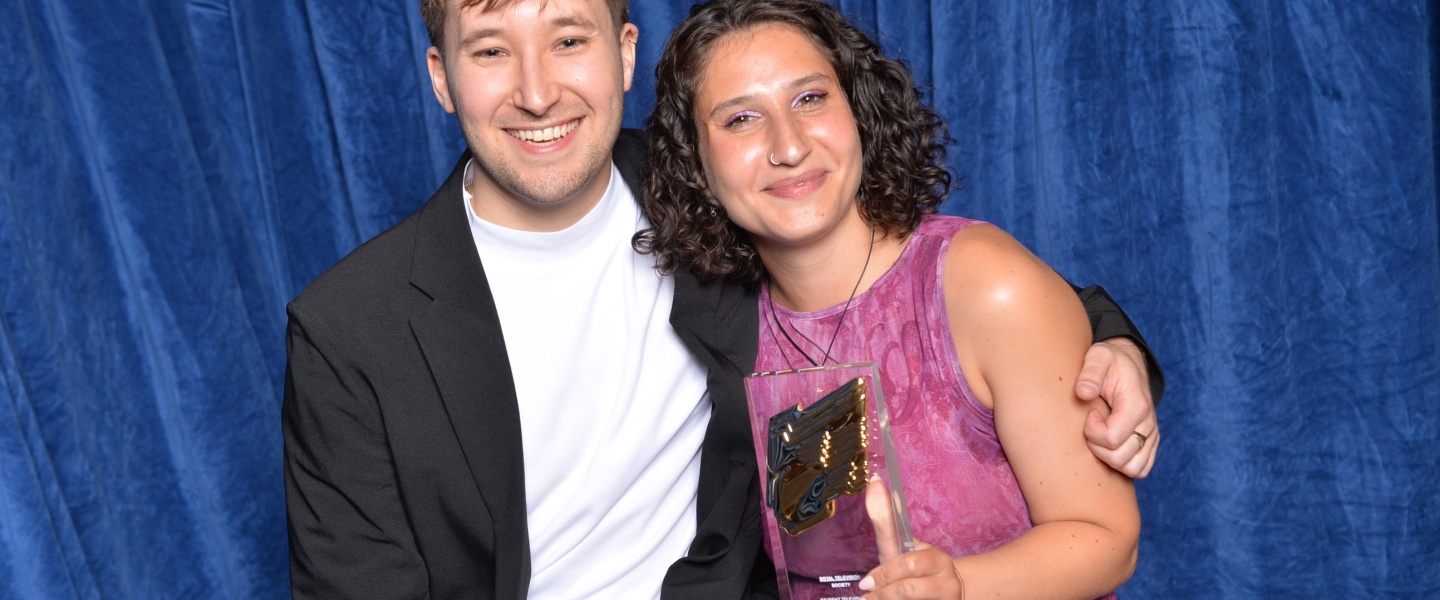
x: 537, y: 89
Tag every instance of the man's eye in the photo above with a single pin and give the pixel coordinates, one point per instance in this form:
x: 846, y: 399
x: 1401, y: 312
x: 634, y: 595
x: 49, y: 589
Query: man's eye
x: 488, y: 53
x: 571, y: 43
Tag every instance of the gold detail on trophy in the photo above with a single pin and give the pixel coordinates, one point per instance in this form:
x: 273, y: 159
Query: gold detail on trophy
x: 817, y: 454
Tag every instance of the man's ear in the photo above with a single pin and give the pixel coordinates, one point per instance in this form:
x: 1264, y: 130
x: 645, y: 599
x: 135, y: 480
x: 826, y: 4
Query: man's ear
x: 436, y: 62
x: 629, y: 34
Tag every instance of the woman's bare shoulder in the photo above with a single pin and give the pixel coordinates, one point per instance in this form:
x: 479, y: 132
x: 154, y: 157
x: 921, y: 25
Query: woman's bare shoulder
x: 991, y: 275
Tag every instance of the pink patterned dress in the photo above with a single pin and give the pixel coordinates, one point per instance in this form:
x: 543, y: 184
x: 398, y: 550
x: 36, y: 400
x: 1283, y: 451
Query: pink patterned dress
x: 961, y: 494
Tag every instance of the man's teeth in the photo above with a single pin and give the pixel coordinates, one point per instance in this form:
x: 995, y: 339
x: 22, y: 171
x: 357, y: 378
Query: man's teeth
x: 544, y: 135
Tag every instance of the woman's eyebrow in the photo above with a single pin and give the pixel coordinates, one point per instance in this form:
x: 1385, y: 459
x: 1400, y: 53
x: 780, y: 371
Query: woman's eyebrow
x: 798, y: 83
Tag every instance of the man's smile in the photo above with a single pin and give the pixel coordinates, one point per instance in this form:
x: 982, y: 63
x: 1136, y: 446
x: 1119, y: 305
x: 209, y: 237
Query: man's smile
x: 544, y: 135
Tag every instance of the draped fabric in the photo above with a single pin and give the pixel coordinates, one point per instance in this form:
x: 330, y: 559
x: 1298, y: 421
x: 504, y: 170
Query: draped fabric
x: 1253, y: 181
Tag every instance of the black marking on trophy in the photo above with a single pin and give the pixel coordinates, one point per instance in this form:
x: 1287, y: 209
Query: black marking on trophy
x: 815, y: 455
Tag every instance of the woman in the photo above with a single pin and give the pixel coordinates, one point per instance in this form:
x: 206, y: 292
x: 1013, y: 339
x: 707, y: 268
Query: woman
x: 787, y: 151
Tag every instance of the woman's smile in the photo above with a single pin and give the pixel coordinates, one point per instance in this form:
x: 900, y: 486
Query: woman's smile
x: 799, y: 186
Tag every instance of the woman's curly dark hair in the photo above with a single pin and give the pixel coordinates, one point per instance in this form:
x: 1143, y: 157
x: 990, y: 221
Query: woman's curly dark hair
x: 903, y: 140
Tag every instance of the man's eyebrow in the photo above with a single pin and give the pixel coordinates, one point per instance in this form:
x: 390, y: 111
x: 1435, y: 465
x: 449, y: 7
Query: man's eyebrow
x: 577, y: 21
x: 580, y: 21
x: 798, y: 83
x: 479, y: 34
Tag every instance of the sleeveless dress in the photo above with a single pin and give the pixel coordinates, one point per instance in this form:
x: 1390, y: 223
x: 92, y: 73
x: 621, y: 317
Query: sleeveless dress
x: 960, y: 491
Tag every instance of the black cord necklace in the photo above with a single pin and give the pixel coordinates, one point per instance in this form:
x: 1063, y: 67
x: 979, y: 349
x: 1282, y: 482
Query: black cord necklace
x: 836, y: 334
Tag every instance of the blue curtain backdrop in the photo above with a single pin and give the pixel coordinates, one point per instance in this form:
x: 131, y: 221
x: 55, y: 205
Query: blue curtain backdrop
x: 1254, y: 181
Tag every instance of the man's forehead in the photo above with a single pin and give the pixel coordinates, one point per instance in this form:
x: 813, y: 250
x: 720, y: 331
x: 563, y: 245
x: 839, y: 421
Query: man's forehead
x: 491, y: 5
x: 524, y: 18
x: 545, y: 10
x: 505, y: 18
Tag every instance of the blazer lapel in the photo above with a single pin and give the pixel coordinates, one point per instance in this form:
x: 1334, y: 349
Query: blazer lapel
x: 719, y: 322
x: 723, y: 316
x: 629, y: 157
x: 459, y: 333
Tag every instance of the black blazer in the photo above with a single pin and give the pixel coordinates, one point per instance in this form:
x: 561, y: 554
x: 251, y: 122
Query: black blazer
x: 403, y: 468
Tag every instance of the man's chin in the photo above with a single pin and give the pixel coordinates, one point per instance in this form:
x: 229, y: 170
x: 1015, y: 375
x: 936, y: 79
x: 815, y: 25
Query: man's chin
x: 558, y: 190
x: 549, y: 181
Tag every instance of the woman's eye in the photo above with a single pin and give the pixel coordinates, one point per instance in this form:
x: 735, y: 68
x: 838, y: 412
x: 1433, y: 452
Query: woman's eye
x: 569, y: 43
x: 810, y: 98
x: 739, y: 120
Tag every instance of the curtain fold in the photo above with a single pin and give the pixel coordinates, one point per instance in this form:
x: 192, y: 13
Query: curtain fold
x: 1254, y: 182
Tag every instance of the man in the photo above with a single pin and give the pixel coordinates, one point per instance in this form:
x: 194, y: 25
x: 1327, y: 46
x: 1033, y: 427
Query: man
x: 497, y: 398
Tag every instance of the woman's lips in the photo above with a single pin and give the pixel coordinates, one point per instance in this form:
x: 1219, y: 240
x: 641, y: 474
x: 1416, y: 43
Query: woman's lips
x: 798, y: 186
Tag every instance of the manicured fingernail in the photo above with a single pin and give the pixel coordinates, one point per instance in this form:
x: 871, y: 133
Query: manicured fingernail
x: 867, y: 584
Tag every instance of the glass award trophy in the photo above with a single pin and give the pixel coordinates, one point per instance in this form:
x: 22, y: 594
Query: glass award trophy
x: 820, y: 435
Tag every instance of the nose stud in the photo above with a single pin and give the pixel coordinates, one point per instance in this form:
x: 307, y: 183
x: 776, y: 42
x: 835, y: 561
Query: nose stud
x: 772, y: 159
